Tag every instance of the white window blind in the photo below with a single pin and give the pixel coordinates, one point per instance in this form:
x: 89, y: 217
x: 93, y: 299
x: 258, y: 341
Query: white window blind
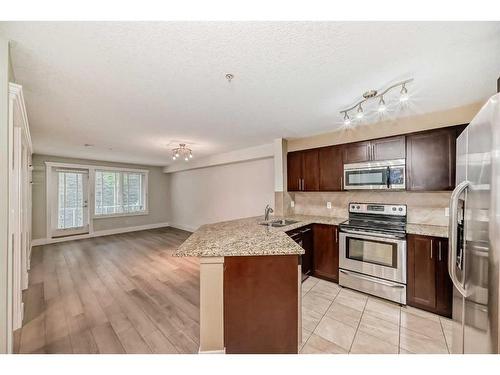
x: 119, y: 192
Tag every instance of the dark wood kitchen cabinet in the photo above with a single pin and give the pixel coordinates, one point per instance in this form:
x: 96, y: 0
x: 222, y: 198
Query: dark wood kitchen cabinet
x: 428, y: 286
x: 389, y: 148
x: 374, y: 150
x: 330, y: 168
x: 326, y: 251
x: 303, y: 170
x: 430, y: 160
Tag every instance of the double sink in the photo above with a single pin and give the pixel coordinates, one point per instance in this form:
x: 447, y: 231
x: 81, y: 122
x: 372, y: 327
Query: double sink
x: 280, y: 223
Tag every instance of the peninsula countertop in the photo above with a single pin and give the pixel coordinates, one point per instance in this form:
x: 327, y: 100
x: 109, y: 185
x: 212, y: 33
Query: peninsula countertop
x: 246, y: 237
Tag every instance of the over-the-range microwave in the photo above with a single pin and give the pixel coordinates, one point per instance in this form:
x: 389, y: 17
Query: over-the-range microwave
x: 375, y: 175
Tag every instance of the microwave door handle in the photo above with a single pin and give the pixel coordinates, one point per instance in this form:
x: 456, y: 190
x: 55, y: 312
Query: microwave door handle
x: 452, y: 234
x: 388, y: 179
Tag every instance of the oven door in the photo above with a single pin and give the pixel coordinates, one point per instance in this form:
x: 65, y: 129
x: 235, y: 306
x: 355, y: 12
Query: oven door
x: 374, y: 255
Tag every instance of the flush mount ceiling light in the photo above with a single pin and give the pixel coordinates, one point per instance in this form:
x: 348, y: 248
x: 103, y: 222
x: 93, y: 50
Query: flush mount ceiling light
x: 182, y: 152
x: 373, y: 94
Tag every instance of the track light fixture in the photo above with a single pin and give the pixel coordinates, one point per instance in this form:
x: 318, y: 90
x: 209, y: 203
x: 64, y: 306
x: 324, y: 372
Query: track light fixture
x: 182, y: 152
x: 373, y: 94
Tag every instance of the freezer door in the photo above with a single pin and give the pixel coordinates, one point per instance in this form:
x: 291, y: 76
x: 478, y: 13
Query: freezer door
x: 456, y: 259
x: 480, y: 315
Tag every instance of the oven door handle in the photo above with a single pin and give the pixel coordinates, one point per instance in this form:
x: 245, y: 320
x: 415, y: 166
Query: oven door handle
x: 388, y: 179
x: 377, y: 235
x: 372, y: 279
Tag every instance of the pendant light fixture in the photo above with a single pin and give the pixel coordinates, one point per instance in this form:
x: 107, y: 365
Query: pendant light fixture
x: 182, y: 152
x: 373, y: 94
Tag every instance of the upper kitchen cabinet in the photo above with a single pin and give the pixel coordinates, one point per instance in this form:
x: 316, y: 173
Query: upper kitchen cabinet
x: 357, y: 152
x: 430, y: 160
x: 389, y: 148
x: 377, y: 149
x: 330, y: 168
x: 303, y: 170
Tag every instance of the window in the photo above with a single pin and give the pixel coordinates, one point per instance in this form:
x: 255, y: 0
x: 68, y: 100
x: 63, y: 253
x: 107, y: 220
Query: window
x: 120, y: 192
x: 71, y: 198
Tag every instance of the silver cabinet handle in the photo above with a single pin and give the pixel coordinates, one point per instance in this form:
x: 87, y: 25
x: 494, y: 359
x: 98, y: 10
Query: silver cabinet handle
x: 341, y: 186
x: 336, y: 235
x: 299, y: 183
x: 303, y: 185
x: 432, y: 248
x: 439, y: 251
x: 452, y: 234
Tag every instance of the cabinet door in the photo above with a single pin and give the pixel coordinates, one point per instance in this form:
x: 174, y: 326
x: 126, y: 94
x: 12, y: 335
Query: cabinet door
x: 294, y: 171
x: 310, y: 170
x: 330, y: 168
x: 421, y: 288
x: 357, y: 152
x: 389, y: 148
x: 444, y: 285
x: 326, y: 252
x: 430, y: 160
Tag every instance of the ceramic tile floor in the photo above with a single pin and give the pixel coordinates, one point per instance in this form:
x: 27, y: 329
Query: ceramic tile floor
x: 339, y: 321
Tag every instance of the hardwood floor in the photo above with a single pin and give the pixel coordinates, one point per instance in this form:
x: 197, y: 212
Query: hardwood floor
x: 124, y: 293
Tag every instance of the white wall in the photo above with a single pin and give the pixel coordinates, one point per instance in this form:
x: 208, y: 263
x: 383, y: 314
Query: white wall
x: 219, y: 193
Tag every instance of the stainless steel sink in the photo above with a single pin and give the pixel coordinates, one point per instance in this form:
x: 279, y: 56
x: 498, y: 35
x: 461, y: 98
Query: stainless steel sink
x: 280, y: 223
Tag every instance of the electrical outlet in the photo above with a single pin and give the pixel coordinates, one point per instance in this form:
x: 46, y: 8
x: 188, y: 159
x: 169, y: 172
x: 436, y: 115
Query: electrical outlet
x: 329, y: 205
x: 446, y: 211
x: 292, y: 204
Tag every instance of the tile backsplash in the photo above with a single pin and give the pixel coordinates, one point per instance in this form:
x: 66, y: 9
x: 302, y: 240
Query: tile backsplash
x: 423, y: 208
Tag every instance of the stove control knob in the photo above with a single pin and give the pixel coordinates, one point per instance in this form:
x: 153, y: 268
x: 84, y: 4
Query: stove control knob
x: 394, y: 208
x: 357, y: 207
x: 400, y: 208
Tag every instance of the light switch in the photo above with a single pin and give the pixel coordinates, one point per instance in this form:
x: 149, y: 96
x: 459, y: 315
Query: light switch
x: 329, y: 205
x: 292, y: 204
x: 446, y: 211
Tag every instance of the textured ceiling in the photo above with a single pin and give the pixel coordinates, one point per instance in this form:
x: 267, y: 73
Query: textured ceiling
x: 135, y: 89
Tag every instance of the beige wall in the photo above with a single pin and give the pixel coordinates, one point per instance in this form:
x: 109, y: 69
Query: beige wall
x: 450, y: 117
x: 225, y: 192
x: 158, y: 196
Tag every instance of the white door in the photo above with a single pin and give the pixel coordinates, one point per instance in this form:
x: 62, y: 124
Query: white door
x: 70, y: 202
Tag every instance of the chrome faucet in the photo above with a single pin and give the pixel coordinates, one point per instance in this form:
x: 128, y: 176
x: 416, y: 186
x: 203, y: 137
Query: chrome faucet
x: 267, y: 211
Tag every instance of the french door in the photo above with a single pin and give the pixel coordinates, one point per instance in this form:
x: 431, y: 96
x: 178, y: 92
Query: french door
x: 70, y: 202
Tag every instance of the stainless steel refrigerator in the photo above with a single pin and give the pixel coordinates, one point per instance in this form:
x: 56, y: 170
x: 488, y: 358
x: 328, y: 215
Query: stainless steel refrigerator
x: 474, y: 234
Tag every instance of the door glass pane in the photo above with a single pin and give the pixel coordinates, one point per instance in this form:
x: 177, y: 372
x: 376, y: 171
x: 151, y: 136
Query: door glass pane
x: 370, y: 251
x: 70, y: 200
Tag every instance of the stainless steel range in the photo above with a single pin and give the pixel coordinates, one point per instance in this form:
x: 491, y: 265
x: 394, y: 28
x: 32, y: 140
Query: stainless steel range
x: 373, y: 250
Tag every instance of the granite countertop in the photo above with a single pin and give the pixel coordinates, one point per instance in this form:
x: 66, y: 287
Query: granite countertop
x: 245, y: 237
x: 427, y: 230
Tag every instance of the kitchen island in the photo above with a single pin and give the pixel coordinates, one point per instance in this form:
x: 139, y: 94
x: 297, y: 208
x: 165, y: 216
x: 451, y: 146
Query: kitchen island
x: 250, y: 287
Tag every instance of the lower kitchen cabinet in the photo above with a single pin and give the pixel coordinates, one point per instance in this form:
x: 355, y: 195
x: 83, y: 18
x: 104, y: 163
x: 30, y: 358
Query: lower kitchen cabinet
x: 326, y: 251
x: 429, y: 286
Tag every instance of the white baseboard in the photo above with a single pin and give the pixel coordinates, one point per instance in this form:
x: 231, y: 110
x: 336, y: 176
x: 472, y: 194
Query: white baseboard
x: 99, y: 233
x: 223, y: 351
x: 188, y: 228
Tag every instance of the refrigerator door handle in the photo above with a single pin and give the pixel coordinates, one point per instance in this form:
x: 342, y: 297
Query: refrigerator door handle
x: 452, y: 234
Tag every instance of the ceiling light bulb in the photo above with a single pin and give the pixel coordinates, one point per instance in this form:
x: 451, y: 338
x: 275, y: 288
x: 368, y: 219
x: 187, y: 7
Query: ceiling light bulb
x: 360, y: 113
x: 190, y: 156
x: 381, y: 105
x: 404, y: 94
x: 173, y: 157
x: 186, y: 158
x: 347, y: 120
x: 176, y: 154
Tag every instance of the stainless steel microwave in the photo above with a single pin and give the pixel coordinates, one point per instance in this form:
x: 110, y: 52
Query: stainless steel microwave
x: 375, y: 175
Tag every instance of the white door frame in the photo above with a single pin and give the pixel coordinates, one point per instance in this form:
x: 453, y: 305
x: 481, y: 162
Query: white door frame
x: 51, y: 198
